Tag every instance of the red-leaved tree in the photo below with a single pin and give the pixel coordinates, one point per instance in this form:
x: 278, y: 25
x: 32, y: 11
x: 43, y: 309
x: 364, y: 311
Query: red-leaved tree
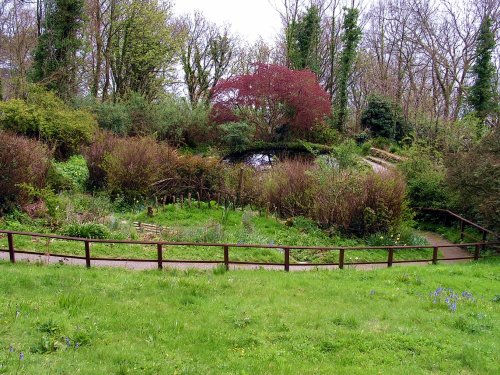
x: 274, y: 99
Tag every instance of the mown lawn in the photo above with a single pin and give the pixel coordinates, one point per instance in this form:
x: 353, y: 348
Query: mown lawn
x: 406, y: 320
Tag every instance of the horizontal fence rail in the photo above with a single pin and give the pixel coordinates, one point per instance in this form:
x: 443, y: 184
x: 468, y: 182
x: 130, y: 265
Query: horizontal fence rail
x: 162, y: 246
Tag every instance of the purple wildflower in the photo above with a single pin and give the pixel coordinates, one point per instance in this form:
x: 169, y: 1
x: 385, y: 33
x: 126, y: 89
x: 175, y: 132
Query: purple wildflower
x: 21, y: 356
x: 11, y: 348
x: 68, y: 342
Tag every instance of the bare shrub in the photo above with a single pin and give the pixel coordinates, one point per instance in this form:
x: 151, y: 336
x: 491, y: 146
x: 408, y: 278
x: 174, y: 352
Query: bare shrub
x: 22, y: 161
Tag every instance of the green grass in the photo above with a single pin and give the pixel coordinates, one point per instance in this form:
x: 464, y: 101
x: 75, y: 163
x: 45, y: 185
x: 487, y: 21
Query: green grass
x: 216, y: 225
x: 249, y: 322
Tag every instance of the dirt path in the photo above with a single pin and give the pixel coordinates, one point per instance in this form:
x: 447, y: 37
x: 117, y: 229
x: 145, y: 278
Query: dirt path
x: 433, y: 239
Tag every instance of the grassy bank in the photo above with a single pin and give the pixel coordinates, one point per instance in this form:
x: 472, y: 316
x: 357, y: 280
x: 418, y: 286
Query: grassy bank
x: 217, y: 225
x: 72, y: 320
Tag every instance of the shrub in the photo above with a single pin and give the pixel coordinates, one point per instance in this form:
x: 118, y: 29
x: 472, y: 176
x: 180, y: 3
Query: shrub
x: 134, y: 164
x: 95, y: 154
x: 22, y: 161
x: 237, y: 135
x: 69, y: 175
x: 287, y: 188
x: 384, y: 119
x: 345, y: 200
x: 475, y: 179
x: 46, y: 117
x: 196, y: 174
x: 88, y: 230
x: 425, y: 175
x: 347, y: 154
x: 113, y: 117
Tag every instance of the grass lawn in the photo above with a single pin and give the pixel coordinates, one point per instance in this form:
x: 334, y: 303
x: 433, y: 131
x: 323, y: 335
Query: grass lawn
x: 250, y: 322
x: 216, y: 225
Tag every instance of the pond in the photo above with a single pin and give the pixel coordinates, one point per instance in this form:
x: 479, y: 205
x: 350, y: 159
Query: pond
x: 264, y: 159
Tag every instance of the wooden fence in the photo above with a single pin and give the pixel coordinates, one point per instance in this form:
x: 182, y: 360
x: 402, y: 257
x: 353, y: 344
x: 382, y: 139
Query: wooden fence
x: 162, y: 247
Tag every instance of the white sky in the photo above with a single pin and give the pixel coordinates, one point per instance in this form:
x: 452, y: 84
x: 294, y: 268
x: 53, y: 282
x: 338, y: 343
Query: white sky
x: 248, y: 18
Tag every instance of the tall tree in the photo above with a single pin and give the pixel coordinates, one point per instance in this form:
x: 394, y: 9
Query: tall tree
x: 206, y: 57
x: 303, y: 41
x: 351, y: 38
x: 144, y: 46
x: 483, y: 94
x: 55, y: 58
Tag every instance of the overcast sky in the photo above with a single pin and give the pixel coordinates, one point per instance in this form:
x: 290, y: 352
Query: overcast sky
x: 248, y: 18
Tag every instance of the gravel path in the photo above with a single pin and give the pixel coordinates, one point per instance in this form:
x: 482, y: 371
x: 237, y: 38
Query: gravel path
x: 433, y: 239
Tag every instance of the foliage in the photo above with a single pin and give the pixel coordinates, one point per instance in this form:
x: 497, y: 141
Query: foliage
x: 206, y: 57
x: 88, y: 230
x: 303, y: 41
x: 347, y: 201
x: 22, y: 161
x: 237, y: 135
x: 95, y: 154
x: 55, y: 58
x: 474, y: 177
x: 44, y: 116
x: 134, y: 164
x: 384, y: 119
x: 274, y: 99
x: 350, y: 38
x: 425, y: 175
x: 143, y: 48
x: 347, y: 154
x: 69, y: 175
x: 483, y: 95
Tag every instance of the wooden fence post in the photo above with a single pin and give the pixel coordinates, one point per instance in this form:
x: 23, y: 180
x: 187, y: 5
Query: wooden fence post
x: 160, y: 256
x: 87, y: 253
x: 435, y: 255
x: 341, y: 258
x: 390, y: 257
x: 287, y: 259
x: 477, y: 252
x: 226, y: 257
x: 12, y: 252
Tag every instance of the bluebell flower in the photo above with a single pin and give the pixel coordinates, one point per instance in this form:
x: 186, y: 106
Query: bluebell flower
x: 77, y: 345
x: 21, y: 356
x: 11, y: 348
x: 68, y: 342
x: 453, y: 307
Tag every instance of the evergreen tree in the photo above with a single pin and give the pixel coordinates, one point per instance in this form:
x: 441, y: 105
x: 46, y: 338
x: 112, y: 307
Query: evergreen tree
x: 55, y: 59
x: 351, y: 38
x: 483, y: 95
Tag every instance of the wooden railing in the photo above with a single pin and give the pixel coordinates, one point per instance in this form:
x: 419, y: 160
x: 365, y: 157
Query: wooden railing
x: 486, y: 234
x: 162, y: 246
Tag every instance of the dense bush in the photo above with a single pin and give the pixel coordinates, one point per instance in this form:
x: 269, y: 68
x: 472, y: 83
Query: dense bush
x: 475, y: 179
x: 135, y: 164
x: 384, y: 119
x: 69, y: 175
x: 46, y: 117
x: 171, y: 119
x: 425, y: 175
x: 237, y: 135
x: 95, y: 154
x: 22, y: 161
x: 348, y: 201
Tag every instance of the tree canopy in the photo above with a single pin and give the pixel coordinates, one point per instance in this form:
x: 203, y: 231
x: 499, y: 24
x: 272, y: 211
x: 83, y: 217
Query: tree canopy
x: 274, y: 99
